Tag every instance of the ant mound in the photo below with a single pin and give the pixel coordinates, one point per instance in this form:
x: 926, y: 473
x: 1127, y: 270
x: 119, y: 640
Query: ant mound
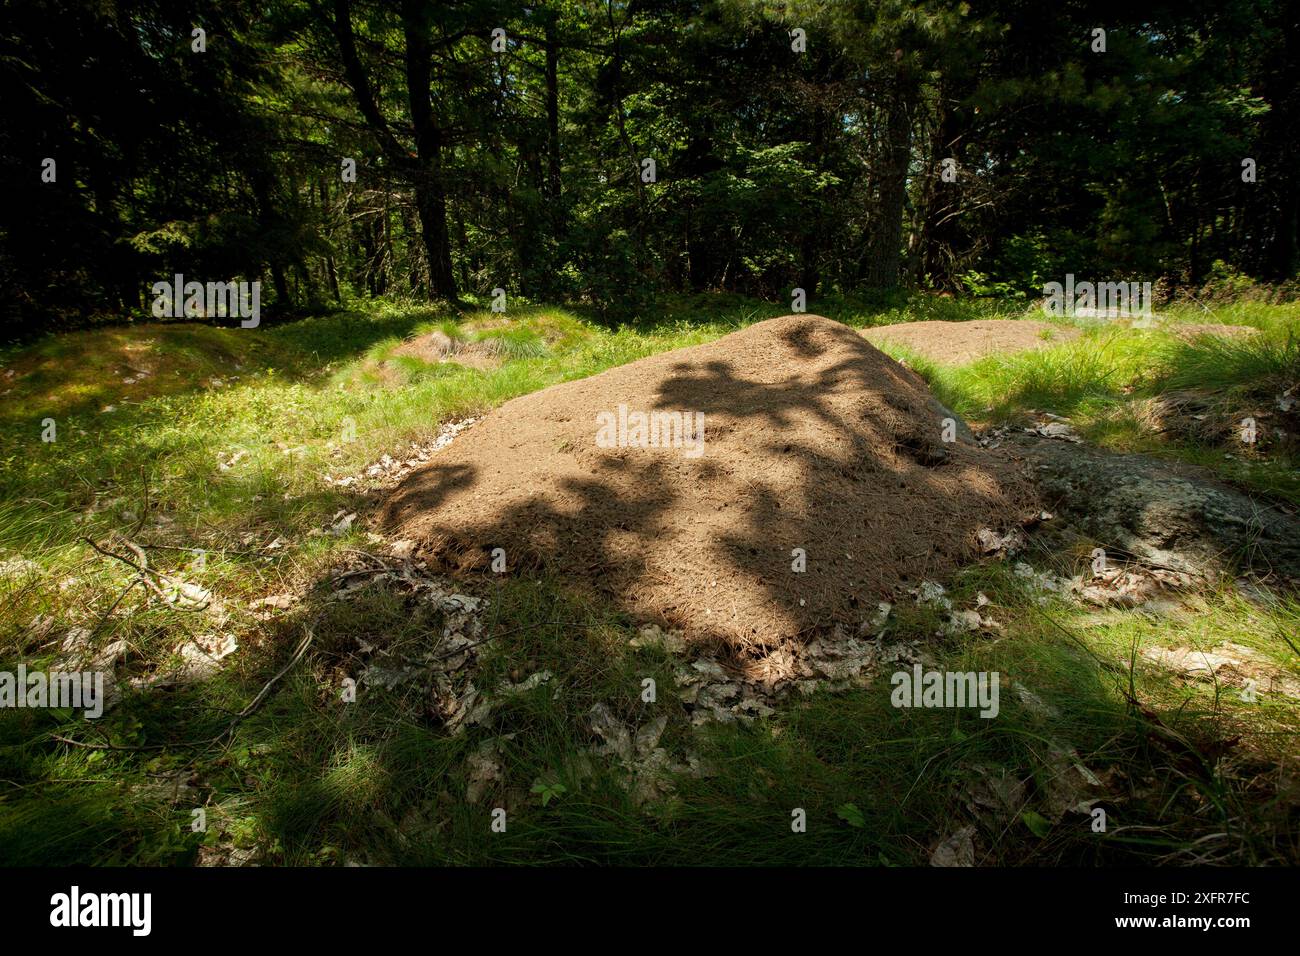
x: 1190, y: 331
x: 776, y: 482
x: 436, y: 347
x: 960, y: 343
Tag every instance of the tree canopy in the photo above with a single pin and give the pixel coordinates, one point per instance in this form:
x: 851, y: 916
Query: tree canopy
x: 608, y: 150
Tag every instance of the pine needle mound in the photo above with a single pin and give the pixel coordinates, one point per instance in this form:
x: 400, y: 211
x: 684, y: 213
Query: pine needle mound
x: 960, y: 343
x: 814, y: 443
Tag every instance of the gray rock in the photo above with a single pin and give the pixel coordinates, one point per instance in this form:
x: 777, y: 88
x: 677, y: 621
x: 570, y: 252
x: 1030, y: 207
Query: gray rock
x: 1164, y: 513
x: 942, y: 411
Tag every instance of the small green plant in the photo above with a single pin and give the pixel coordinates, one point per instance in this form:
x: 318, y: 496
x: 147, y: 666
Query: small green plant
x: 983, y: 285
x: 851, y: 815
x: 1037, y: 823
x: 549, y: 791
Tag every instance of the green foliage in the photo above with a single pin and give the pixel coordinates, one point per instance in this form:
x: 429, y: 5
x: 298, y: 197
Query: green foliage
x: 1262, y: 365
x: 549, y: 791
x: 851, y: 815
x: 1038, y: 824
x: 979, y: 284
x: 160, y: 241
x: 775, y: 168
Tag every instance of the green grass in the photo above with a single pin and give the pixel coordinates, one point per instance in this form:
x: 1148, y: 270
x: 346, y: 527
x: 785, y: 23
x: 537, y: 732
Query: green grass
x: 1255, y: 365
x: 236, y: 467
x: 1104, y: 380
x: 513, y: 342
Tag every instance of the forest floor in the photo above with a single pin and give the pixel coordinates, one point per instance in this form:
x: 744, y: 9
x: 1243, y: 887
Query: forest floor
x: 247, y: 469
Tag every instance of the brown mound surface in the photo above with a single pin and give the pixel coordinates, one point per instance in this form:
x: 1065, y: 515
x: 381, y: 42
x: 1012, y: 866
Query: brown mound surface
x: 437, y: 347
x: 1191, y: 330
x: 813, y: 439
x: 960, y: 343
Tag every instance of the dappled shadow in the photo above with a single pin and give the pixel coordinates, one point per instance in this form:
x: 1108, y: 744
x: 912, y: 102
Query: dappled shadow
x: 815, y: 445
x: 82, y: 372
x: 792, y: 459
x: 1166, y: 514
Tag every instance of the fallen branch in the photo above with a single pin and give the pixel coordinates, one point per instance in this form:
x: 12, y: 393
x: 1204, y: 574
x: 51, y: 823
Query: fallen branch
x: 255, y: 703
x: 142, y: 569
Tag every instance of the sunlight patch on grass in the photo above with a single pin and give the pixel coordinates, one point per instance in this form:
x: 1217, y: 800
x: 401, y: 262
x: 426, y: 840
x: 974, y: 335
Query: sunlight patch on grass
x: 308, y: 780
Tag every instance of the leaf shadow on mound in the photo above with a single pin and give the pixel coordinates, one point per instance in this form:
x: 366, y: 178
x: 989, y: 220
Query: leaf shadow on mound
x: 841, y: 457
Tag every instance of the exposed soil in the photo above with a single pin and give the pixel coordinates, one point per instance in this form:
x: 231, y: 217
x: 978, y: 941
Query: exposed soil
x: 960, y: 343
x: 813, y: 439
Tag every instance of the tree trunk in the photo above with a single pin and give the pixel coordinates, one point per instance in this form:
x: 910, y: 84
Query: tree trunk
x: 1282, y: 253
x: 884, y: 254
x: 553, y: 116
x: 940, y: 224
x: 425, y: 167
x: 281, y: 286
x: 811, y: 243
x: 430, y: 197
x: 331, y: 269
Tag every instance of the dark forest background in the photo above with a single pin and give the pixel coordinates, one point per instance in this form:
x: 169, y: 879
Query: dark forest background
x: 524, y: 168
